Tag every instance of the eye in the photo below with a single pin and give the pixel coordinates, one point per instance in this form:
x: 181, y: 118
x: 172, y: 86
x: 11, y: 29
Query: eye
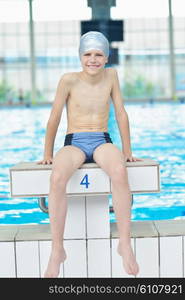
x: 87, y: 54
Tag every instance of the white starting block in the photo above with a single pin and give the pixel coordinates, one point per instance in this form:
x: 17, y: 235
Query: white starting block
x: 87, y: 189
x: 87, y: 228
x: 28, y: 179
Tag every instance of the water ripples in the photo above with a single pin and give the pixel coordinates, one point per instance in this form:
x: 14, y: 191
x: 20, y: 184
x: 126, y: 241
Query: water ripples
x: 157, y: 132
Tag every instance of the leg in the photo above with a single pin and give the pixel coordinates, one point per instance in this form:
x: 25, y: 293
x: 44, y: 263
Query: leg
x: 65, y: 162
x: 111, y: 160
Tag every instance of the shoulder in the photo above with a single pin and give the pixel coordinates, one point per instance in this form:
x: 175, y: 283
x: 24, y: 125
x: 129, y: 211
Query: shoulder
x: 68, y: 78
x: 112, y: 73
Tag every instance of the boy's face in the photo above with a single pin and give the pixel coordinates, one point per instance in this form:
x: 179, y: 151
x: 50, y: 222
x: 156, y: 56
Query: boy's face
x: 93, y: 61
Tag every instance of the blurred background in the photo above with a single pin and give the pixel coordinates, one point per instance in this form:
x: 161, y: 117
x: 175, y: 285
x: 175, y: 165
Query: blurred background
x: 39, y: 42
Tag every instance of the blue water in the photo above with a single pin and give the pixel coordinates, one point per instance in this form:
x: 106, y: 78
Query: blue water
x: 157, y: 132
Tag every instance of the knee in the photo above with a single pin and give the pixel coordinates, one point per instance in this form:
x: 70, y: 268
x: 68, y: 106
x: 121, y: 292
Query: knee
x: 119, y: 174
x: 58, y: 179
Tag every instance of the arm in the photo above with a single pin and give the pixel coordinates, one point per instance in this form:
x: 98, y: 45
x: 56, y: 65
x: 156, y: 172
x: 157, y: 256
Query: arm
x: 61, y: 96
x: 121, y: 117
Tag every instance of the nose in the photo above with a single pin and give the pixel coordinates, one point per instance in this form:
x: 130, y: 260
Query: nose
x: 92, y: 58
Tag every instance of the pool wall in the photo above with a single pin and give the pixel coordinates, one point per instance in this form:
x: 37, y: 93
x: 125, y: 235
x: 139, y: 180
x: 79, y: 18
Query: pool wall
x: 158, y: 246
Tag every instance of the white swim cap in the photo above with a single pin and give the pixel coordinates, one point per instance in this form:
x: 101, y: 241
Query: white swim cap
x: 94, y: 40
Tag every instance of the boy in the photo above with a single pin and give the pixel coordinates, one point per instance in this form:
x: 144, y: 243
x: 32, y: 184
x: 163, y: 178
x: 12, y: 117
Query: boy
x: 87, y: 98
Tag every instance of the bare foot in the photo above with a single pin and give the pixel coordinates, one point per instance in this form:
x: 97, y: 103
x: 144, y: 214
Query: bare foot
x: 129, y: 261
x: 56, y: 258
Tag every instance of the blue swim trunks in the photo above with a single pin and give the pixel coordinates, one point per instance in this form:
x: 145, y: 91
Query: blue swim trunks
x: 87, y: 142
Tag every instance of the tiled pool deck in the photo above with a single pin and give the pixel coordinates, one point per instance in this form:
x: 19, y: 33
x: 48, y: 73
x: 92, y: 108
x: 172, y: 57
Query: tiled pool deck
x: 158, y: 246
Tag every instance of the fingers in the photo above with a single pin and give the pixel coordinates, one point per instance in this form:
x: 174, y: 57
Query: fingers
x: 45, y: 162
x: 48, y: 161
x: 130, y: 159
x: 136, y: 159
x: 133, y: 159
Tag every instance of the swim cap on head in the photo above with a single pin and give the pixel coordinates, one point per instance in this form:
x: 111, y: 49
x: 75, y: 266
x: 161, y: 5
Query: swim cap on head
x: 94, y: 40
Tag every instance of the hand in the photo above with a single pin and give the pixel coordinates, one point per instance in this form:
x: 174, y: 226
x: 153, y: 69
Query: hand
x: 129, y: 157
x: 45, y: 161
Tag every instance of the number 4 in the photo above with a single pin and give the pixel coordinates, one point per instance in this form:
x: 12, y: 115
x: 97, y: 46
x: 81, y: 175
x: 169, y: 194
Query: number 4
x: 85, y: 181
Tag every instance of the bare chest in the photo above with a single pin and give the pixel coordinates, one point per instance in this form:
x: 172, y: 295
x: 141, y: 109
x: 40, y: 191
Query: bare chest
x: 91, y: 99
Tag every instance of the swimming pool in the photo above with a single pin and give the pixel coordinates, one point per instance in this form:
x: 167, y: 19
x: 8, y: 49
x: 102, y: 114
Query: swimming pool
x: 157, y: 132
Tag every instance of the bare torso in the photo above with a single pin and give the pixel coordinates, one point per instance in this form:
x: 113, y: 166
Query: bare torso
x: 88, y: 104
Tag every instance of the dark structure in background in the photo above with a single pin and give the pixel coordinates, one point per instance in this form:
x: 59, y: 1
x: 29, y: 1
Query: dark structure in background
x: 112, y: 29
x: 101, y: 12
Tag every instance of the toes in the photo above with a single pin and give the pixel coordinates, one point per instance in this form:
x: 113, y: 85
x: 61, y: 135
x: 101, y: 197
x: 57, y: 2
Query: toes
x: 128, y: 269
x: 131, y: 269
x: 135, y: 269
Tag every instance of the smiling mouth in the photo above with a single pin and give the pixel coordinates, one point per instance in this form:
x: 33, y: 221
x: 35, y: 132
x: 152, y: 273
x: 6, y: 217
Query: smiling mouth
x: 93, y: 66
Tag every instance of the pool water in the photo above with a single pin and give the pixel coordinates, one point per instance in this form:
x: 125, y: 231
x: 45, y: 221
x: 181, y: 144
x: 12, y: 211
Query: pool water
x: 157, y: 132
